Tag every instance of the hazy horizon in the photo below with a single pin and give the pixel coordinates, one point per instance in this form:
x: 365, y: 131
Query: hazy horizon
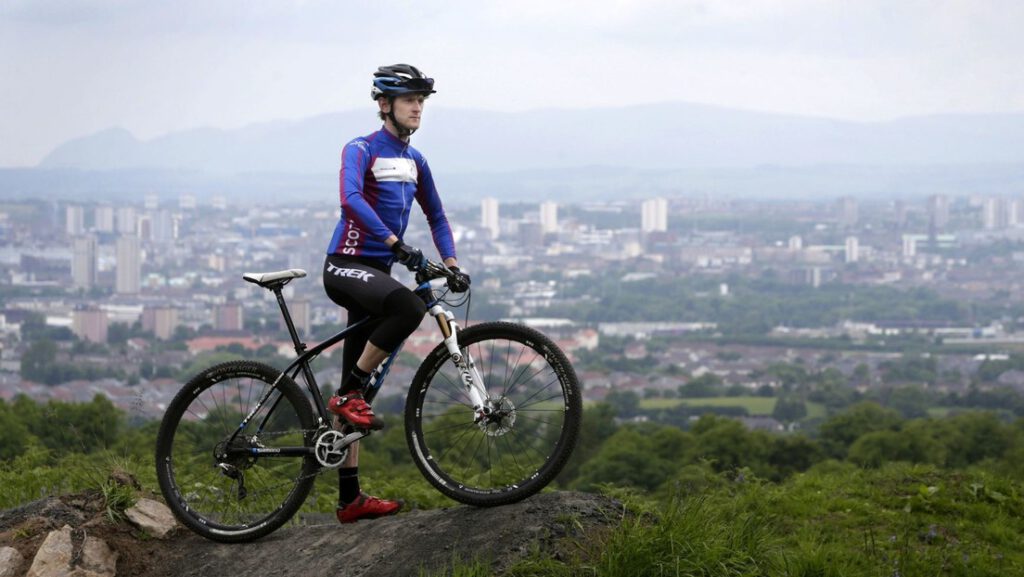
x: 74, y: 68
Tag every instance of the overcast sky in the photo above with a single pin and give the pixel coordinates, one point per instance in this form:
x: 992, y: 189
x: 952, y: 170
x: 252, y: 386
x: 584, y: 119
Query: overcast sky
x: 73, y: 67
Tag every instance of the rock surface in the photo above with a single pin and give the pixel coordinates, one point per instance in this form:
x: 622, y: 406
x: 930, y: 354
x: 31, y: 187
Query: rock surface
x: 97, y: 558
x: 60, y: 557
x: 54, y: 555
x: 405, y: 544
x: 317, y: 545
x: 10, y: 562
x: 153, y: 517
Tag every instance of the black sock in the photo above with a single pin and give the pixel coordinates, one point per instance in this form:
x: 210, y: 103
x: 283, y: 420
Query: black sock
x: 354, y: 381
x: 348, y: 485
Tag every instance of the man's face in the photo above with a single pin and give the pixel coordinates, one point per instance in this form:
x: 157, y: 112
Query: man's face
x: 408, y: 109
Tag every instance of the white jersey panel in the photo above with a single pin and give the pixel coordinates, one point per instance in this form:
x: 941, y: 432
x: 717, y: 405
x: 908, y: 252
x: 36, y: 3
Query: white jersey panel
x: 394, y: 170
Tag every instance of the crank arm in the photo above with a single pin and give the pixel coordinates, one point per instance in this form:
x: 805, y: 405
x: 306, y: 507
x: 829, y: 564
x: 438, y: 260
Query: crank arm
x: 350, y: 438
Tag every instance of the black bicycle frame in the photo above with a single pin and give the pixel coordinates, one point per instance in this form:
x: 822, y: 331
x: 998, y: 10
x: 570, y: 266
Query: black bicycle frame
x: 301, y: 364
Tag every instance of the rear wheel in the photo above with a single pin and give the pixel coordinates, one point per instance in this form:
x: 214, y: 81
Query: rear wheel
x: 525, y: 440
x: 207, y: 471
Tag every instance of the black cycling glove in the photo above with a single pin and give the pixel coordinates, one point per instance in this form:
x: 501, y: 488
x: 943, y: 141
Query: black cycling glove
x: 411, y: 257
x: 459, y: 282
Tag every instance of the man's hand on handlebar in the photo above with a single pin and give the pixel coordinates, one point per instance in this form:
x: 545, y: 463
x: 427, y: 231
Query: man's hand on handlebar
x: 409, y: 256
x: 458, y: 281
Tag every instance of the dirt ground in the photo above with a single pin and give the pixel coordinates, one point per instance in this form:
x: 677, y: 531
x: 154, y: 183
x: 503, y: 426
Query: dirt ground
x: 393, y: 546
x: 25, y: 528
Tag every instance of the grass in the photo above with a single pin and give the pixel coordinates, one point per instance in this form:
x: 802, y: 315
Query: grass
x: 833, y: 521
x: 117, y: 499
x: 38, y: 474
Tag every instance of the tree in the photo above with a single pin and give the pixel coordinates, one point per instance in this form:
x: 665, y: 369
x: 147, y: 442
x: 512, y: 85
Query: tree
x: 910, y: 369
x: 973, y: 437
x: 71, y: 427
x: 14, y: 436
x: 625, y: 403
x: 789, y: 409
x: 791, y: 376
x: 911, y: 401
x: 673, y: 444
x: 37, y: 362
x: 706, y: 385
x: 861, y: 374
x: 875, y: 448
x: 834, y: 397
x: 728, y: 445
x: 597, y: 426
x: 626, y: 459
x: 790, y: 454
x: 843, y: 429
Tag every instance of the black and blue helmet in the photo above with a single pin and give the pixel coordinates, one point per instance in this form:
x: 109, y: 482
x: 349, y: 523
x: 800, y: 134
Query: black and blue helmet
x: 399, y: 79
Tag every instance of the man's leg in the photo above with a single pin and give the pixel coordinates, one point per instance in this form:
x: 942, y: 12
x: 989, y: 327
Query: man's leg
x: 374, y: 294
x: 400, y: 312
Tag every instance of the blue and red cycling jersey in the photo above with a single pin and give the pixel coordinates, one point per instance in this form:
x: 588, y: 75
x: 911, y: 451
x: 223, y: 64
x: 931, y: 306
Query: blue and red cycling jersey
x: 380, y: 177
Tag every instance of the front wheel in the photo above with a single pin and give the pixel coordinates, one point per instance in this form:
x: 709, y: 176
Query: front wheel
x: 528, y: 434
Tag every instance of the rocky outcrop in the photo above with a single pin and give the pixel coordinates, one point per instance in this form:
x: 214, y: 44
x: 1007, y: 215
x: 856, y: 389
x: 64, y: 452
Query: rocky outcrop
x: 403, y: 545
x: 72, y: 535
x: 61, y: 556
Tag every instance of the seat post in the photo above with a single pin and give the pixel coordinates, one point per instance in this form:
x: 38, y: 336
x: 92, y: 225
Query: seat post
x: 300, y: 347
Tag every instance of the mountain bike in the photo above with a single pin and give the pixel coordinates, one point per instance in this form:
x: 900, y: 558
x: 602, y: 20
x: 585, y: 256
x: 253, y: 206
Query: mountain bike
x: 491, y: 417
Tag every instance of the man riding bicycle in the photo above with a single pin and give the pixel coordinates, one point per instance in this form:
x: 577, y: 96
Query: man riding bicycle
x: 381, y: 175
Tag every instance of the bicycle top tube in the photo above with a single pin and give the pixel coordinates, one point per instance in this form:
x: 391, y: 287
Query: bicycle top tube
x: 274, y: 281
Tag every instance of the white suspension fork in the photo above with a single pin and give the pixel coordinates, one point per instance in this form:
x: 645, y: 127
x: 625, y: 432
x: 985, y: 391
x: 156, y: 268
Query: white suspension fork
x: 471, y: 378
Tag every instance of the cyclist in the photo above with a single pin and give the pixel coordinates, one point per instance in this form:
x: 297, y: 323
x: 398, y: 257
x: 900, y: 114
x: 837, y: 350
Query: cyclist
x: 381, y: 175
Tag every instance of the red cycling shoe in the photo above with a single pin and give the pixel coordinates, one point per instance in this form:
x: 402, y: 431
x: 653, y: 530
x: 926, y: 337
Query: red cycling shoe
x: 367, y: 507
x: 354, y: 410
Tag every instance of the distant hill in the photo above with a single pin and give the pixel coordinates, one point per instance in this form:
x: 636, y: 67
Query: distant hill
x: 663, y: 137
x: 669, y: 148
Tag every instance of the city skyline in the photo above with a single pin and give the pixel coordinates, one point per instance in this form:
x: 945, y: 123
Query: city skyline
x: 145, y: 299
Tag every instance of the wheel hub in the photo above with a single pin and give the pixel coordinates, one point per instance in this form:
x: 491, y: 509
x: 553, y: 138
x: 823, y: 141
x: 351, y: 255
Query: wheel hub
x: 236, y: 453
x: 500, y: 420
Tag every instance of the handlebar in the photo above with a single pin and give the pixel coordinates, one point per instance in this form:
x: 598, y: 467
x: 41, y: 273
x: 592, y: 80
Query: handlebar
x: 458, y: 281
x: 430, y: 270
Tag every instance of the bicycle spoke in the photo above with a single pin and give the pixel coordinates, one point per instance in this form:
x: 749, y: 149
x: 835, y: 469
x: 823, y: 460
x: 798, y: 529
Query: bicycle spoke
x: 551, y: 398
x: 526, y: 433
x: 450, y: 427
x: 455, y: 443
x: 534, y: 375
x: 454, y: 404
x: 515, y: 366
x: 536, y: 419
x: 512, y: 453
x: 458, y: 388
x: 239, y: 495
x: 539, y: 391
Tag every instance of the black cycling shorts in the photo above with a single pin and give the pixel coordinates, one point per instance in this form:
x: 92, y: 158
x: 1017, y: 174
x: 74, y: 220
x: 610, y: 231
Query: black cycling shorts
x: 366, y: 289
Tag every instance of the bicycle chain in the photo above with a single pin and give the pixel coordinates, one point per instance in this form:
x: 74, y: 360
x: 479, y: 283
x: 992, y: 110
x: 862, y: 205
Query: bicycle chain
x: 319, y: 470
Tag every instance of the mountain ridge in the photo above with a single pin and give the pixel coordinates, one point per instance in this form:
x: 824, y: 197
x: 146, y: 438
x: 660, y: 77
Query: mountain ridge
x: 666, y: 136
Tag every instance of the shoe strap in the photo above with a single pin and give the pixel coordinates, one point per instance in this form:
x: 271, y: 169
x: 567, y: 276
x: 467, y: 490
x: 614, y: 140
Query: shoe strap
x: 349, y: 397
x: 364, y: 408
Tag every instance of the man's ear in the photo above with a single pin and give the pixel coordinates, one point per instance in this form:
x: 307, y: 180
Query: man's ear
x: 384, y: 104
